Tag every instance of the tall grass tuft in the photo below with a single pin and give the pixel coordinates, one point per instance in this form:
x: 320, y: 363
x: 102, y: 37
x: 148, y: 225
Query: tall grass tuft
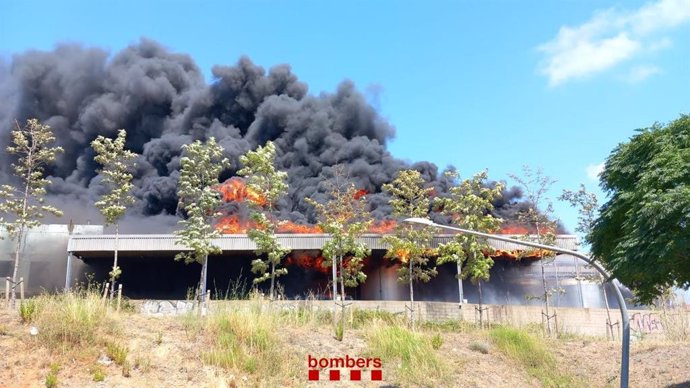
x: 248, y: 340
x: 411, y: 354
x: 530, y: 352
x: 72, y: 320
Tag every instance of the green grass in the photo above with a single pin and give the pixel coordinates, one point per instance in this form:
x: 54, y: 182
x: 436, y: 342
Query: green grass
x: 532, y: 354
x: 28, y: 309
x: 409, y: 354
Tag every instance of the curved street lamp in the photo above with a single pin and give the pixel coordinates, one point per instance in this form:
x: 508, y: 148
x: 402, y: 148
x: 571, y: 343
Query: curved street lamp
x: 625, y: 351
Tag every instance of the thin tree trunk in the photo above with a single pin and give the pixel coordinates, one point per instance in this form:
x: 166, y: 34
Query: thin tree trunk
x: 112, y: 278
x: 342, y: 289
x: 273, y: 281
x: 411, y: 295
x: 15, y: 272
x: 481, y: 307
x: 335, y: 291
x: 20, y: 235
x: 546, y: 298
x: 202, y: 282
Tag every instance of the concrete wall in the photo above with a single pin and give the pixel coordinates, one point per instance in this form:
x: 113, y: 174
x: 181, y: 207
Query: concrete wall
x: 43, y: 261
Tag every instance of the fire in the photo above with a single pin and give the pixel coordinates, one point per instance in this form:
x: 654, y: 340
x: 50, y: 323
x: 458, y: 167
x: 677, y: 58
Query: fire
x: 307, y: 261
x: 291, y: 227
x: 513, y: 229
x: 402, y: 255
x: 235, y: 190
x: 382, y: 227
x: 360, y: 193
x: 233, y: 225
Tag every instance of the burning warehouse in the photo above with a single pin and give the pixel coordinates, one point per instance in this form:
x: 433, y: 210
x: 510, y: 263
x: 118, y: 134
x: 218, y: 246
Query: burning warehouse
x: 163, y: 101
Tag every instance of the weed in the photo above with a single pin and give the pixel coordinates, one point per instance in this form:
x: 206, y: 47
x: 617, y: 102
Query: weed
x: 436, y: 341
x: 52, y: 378
x: 417, y: 362
x: 159, y: 338
x: 117, y: 353
x: 529, y: 351
x: 97, y: 373
x: 340, y: 330
x: 126, y: 369
x: 481, y: 347
x: 27, y: 310
x: 142, y: 364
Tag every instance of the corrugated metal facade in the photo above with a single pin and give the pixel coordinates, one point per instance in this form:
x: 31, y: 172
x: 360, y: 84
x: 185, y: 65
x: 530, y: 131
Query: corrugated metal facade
x: 240, y: 242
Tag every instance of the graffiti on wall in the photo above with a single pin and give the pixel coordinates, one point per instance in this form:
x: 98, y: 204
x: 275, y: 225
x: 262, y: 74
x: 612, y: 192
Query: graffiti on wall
x: 646, y: 323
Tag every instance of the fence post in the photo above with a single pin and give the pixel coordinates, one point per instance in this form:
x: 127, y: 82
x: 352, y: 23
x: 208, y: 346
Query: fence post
x: 21, y: 290
x: 119, y: 296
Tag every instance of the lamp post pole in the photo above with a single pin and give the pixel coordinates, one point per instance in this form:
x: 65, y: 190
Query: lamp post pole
x: 625, y: 346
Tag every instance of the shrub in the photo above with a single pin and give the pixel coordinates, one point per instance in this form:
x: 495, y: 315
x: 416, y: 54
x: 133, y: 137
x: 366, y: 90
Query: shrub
x: 27, y: 310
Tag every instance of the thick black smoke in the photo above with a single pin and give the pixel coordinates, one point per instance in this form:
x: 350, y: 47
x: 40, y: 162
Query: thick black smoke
x: 162, y: 100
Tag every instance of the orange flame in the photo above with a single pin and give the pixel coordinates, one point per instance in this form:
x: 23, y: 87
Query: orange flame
x: 233, y: 225
x: 382, y: 226
x: 307, y: 261
x: 235, y: 190
x: 360, y: 193
x: 402, y: 255
x: 291, y: 227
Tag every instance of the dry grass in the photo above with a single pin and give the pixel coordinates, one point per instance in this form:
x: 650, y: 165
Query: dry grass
x: 256, y: 343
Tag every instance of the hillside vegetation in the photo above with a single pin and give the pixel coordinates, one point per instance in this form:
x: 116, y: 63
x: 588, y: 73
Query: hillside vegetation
x: 81, y: 342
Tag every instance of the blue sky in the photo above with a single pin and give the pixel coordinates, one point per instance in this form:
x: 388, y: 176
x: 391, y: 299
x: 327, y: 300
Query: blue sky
x: 477, y: 84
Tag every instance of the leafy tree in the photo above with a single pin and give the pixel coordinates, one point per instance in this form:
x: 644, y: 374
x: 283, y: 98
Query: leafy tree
x: 345, y: 218
x: 25, y: 201
x: 410, y: 244
x: 642, y: 234
x: 587, y: 206
x: 470, y: 204
x: 538, y: 216
x: 117, y: 178
x: 201, y: 164
x: 264, y: 178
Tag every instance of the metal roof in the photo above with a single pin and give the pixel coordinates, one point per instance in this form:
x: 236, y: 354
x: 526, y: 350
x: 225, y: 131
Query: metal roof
x: 240, y: 242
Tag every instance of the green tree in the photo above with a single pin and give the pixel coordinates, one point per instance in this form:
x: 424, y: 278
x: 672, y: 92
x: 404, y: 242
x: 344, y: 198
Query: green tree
x: 410, y: 244
x: 345, y: 218
x: 201, y: 164
x: 587, y: 206
x: 470, y: 204
x: 270, y: 184
x: 642, y: 234
x: 116, y: 162
x: 539, y: 216
x: 25, y: 202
